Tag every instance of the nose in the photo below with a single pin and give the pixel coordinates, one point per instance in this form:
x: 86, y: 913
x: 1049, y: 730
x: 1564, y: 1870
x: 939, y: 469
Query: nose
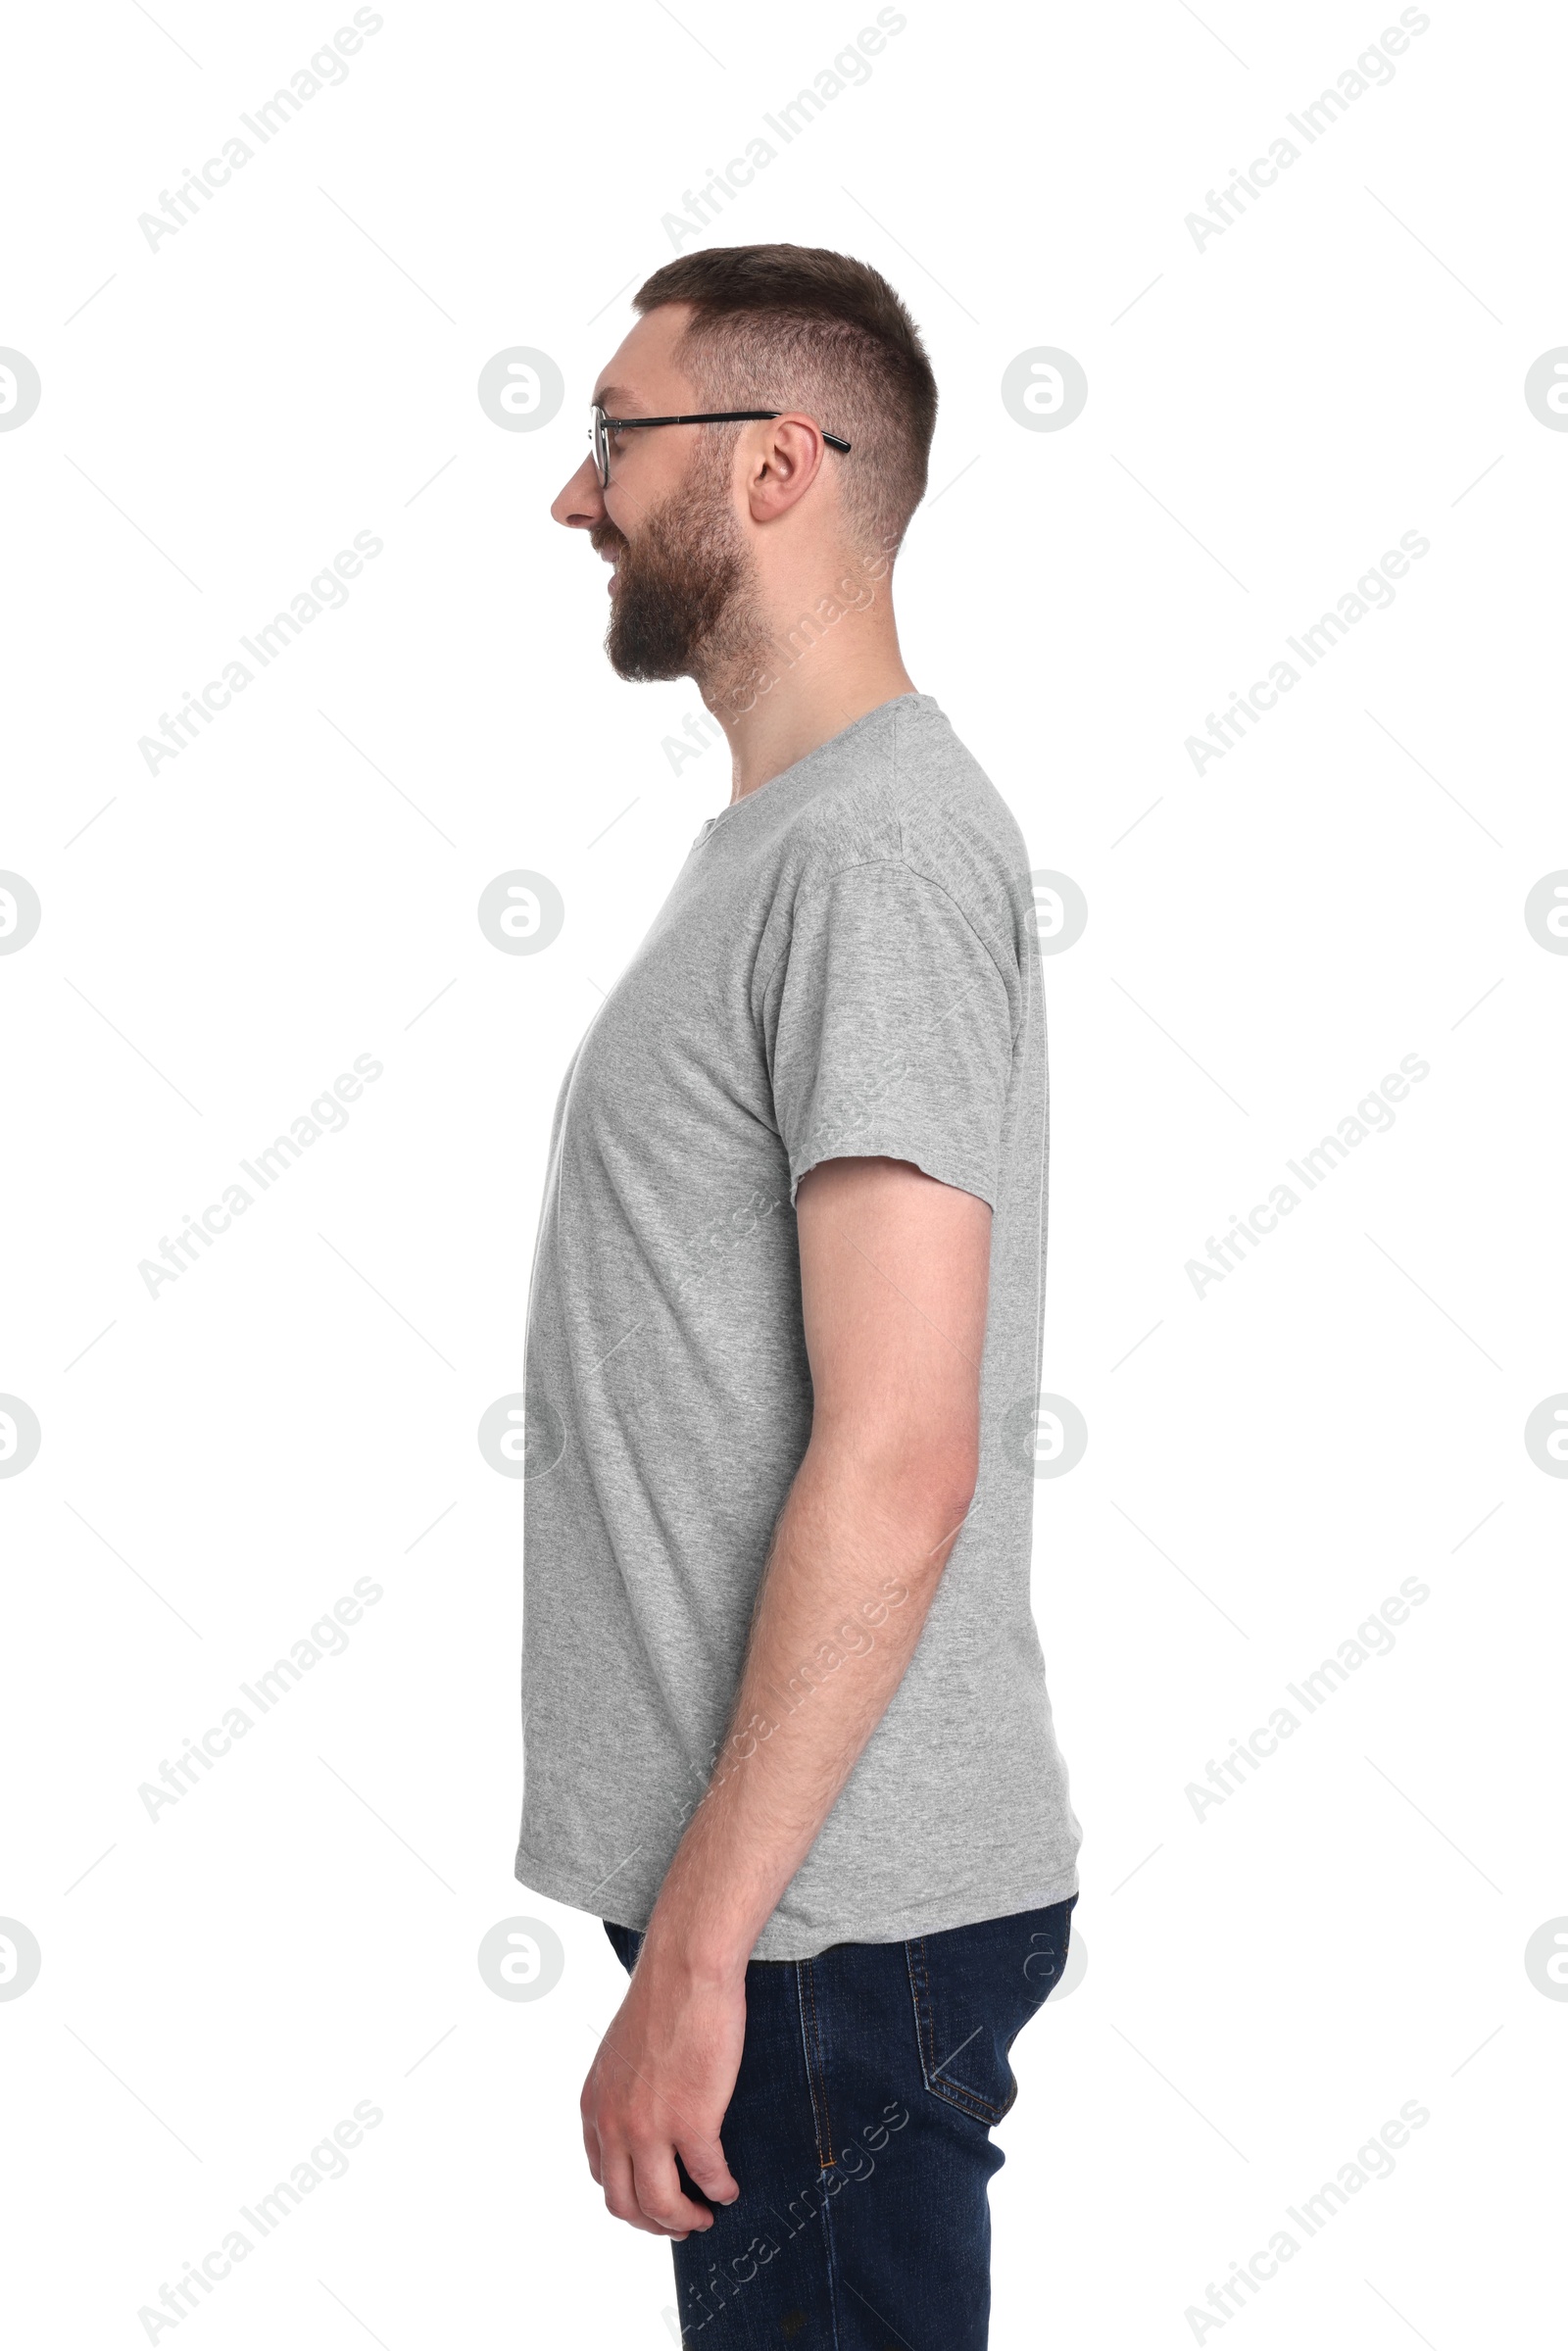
x: 581, y: 502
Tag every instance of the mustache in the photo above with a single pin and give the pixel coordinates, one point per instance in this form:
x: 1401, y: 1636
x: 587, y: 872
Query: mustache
x: 605, y: 534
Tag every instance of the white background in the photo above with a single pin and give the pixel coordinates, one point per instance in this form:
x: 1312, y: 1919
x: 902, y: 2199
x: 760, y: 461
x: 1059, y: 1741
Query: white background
x: 1266, y: 1985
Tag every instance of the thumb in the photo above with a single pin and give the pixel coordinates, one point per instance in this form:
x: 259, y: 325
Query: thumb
x: 704, y: 2162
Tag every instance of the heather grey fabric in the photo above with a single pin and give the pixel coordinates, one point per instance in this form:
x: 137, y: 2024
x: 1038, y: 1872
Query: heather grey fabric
x: 845, y: 967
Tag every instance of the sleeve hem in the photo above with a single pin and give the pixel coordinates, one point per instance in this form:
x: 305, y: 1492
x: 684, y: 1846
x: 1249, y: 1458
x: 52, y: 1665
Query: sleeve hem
x: 959, y: 1175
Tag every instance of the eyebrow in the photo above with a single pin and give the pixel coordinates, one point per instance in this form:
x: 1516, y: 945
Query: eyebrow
x: 613, y: 397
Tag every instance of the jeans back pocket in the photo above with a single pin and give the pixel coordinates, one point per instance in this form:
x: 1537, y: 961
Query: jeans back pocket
x: 973, y: 1990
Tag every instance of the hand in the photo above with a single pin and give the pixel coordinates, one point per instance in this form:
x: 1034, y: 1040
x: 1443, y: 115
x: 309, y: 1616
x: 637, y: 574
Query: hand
x: 659, y: 2085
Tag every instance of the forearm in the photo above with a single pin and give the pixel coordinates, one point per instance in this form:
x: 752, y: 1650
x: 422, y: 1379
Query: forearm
x: 858, y: 1554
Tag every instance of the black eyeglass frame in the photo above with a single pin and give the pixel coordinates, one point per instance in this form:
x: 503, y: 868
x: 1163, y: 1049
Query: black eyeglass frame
x: 601, y: 426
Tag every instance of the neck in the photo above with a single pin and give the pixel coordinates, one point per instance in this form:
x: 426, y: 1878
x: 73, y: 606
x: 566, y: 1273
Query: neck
x: 815, y: 678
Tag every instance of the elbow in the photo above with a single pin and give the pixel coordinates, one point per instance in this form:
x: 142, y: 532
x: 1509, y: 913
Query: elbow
x: 920, y: 1483
x: 948, y: 1492
x: 945, y: 1468
x: 905, y: 1477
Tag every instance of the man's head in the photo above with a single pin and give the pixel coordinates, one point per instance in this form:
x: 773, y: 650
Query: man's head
x: 711, y: 526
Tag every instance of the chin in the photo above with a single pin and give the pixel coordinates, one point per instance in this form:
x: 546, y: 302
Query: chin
x: 641, y: 668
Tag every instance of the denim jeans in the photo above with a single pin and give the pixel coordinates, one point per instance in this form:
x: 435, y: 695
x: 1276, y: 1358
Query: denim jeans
x: 859, y: 2135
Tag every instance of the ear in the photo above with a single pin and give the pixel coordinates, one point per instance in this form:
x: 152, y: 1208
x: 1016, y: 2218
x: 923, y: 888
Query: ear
x: 783, y: 464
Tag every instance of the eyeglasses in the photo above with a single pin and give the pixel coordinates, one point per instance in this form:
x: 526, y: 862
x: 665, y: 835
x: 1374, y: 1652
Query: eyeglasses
x: 602, y: 427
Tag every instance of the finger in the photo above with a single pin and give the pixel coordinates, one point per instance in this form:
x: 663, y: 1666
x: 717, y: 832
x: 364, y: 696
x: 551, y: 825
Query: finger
x: 659, y: 2192
x: 590, y: 2145
x: 621, y: 2193
x: 703, y: 2158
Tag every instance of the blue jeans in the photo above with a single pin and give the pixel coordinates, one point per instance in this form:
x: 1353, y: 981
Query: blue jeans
x: 859, y: 2133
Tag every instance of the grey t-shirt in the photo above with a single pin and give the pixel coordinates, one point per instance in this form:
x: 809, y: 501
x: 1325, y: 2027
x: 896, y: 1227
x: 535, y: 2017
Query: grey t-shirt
x: 846, y: 967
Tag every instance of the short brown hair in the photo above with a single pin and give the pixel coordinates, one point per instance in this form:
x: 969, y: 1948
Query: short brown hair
x: 796, y: 326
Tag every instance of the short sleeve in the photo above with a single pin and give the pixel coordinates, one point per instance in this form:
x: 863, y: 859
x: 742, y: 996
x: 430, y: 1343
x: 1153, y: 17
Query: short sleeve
x: 891, y: 1031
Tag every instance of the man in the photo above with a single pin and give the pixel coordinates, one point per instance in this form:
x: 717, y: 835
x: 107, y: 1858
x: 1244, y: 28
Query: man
x: 786, y: 1723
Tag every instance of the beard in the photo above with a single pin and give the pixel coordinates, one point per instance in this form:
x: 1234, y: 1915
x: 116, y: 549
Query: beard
x: 684, y: 597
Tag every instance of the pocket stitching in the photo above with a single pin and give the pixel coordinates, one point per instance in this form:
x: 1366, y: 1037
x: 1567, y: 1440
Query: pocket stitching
x: 946, y: 2085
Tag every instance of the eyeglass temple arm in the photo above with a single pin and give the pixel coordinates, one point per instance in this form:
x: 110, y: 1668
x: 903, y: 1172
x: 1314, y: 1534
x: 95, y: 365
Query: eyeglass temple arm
x: 728, y: 415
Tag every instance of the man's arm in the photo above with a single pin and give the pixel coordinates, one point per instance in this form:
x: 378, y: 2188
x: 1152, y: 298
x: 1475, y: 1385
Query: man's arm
x: 894, y: 1281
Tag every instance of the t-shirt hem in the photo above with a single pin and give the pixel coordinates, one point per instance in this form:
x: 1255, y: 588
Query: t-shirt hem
x: 780, y: 1939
